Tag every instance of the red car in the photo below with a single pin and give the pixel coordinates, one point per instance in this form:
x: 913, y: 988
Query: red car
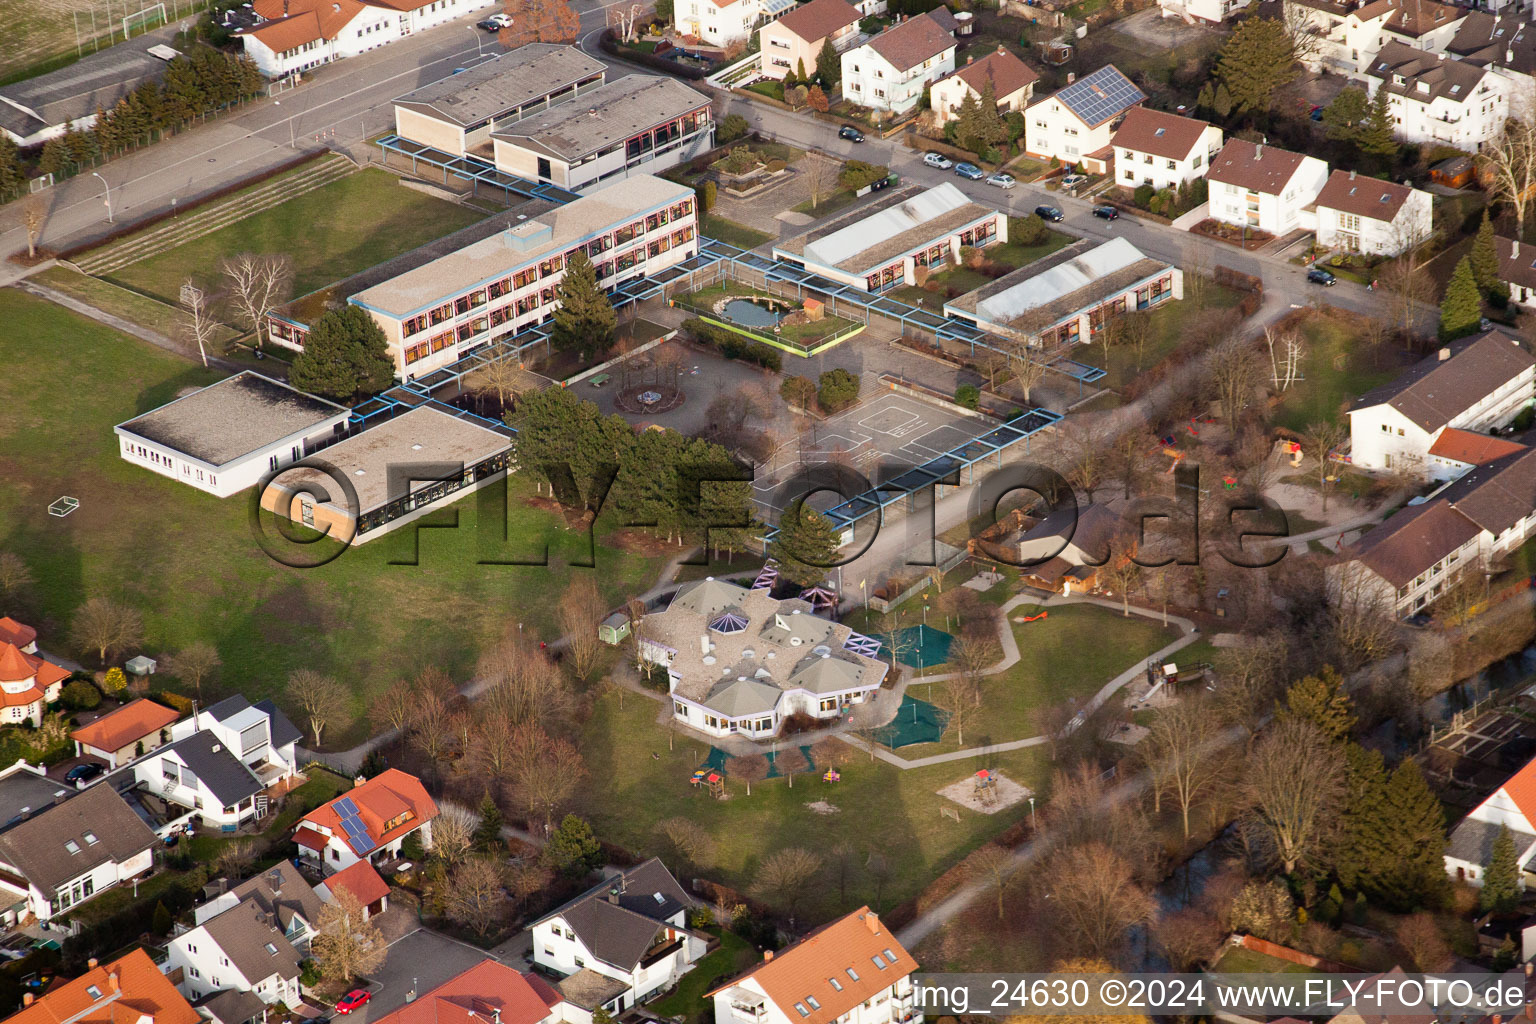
x: 353, y: 1000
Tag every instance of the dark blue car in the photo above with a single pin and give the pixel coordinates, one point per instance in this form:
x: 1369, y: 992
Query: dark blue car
x: 969, y: 171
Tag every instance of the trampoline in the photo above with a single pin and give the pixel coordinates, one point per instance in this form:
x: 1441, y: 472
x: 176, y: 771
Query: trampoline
x: 922, y: 646
x: 916, y: 722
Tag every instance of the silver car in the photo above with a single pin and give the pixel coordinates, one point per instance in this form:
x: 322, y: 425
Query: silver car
x: 1001, y: 180
x: 938, y: 160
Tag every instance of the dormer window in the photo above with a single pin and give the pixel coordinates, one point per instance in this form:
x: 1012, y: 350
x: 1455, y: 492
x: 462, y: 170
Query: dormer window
x: 890, y: 957
x: 852, y: 974
x: 877, y: 962
x: 801, y: 1010
x: 271, y: 949
x: 72, y: 846
x: 814, y: 1004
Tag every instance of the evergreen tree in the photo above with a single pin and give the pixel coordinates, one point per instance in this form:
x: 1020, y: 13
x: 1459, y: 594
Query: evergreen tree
x: 12, y: 178
x: 1222, y: 101
x: 1321, y: 700
x: 829, y: 67
x: 585, y: 321
x: 1485, y: 260
x: 806, y: 545
x: 1415, y: 875
x: 345, y: 357
x: 1256, y: 61
x: 1206, y: 100
x: 573, y: 850
x: 1501, y: 876
x: 55, y: 158
x: 800, y: 74
x: 557, y: 430
x: 1376, y: 133
x: 1344, y: 116
x: 979, y: 126
x: 1354, y: 855
x: 1461, y: 309
x: 488, y: 834
x: 160, y: 921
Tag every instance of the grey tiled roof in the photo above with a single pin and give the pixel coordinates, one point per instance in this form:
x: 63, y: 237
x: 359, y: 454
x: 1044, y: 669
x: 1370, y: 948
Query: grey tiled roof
x: 282, y: 892
x: 215, y: 767
x: 256, y: 947
x: 501, y: 85
x: 1435, y: 390
x: 37, y: 847
x: 604, y: 117
x: 620, y: 933
x: 1472, y: 841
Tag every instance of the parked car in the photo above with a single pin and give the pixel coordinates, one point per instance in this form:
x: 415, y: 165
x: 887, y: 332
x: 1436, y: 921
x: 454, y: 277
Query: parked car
x: 353, y: 1000
x: 969, y: 171
x: 1317, y: 114
x: 1002, y: 180
x: 850, y: 133
x: 496, y: 22
x: 1317, y: 275
x: 1048, y: 213
x: 1106, y: 213
x: 1485, y: 324
x: 938, y: 160
x: 83, y: 773
x: 1073, y: 180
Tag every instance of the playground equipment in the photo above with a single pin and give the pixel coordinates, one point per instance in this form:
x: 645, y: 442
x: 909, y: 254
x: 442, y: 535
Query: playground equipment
x: 1176, y: 454
x: 1293, y: 449
x: 831, y: 775
x: 1034, y: 618
x: 986, y: 787
x: 713, y: 781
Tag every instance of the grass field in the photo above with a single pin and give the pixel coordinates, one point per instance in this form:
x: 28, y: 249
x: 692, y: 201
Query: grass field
x: 732, y: 956
x: 40, y: 34
x: 131, y: 306
x: 189, y: 561
x: 637, y: 780
x: 1336, y: 369
x: 332, y: 232
x: 732, y: 233
x: 1169, y: 323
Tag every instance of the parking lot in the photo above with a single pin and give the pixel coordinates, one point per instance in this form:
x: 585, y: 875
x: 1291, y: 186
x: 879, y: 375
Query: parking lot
x: 419, y: 961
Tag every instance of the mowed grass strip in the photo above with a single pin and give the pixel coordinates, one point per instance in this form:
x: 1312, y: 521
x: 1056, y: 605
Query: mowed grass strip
x: 189, y: 563
x: 333, y: 232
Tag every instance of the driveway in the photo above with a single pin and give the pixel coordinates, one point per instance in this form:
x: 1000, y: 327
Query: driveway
x: 1150, y: 28
x: 421, y: 960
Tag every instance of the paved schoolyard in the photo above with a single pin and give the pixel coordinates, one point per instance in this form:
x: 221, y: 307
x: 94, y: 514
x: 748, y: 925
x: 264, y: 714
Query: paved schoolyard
x: 705, y: 375
x: 422, y: 959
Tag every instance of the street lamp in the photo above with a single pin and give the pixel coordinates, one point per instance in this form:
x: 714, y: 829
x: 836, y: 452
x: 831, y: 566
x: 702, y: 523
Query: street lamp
x: 293, y: 142
x: 1031, y: 814
x: 108, y: 188
x: 479, y: 41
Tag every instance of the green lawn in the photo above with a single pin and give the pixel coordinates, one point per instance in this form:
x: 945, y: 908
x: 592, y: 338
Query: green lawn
x: 189, y: 563
x: 829, y: 204
x: 732, y: 233
x: 333, y: 232
x: 734, y: 955
x: 1242, y: 960
x: 131, y: 306
x: 639, y: 777
x: 1007, y: 254
x: 1336, y: 369
x: 1170, y: 321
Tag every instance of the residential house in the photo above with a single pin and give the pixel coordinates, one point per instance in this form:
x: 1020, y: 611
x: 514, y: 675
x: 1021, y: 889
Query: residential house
x: 1067, y: 297
x: 1076, y: 124
x: 1511, y: 806
x: 795, y: 40
x: 128, y: 990
x: 242, y: 948
x: 294, y: 36
x: 739, y: 661
x: 851, y: 971
x: 228, y: 436
x: 131, y: 731
x: 1209, y: 11
x: 723, y: 22
x: 1438, y: 100
x: 281, y: 893
x: 635, y: 127
x: 1346, y: 35
x: 889, y: 72
x: 1162, y: 150
x: 368, y: 822
x: 1063, y: 551
x: 29, y: 682
x: 457, y: 114
x: 621, y: 942
x: 1367, y: 215
x: 1472, y: 385
x: 72, y: 850
x: 365, y: 884
x: 1012, y: 82
x: 1264, y: 188
x: 223, y: 763
x: 1462, y: 531
x: 1517, y: 269
x: 1505, y: 44
x: 488, y: 991
x: 882, y: 244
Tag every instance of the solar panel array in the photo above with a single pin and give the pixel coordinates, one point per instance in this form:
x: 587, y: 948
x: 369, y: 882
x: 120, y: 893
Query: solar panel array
x: 352, y: 825
x: 1101, y: 95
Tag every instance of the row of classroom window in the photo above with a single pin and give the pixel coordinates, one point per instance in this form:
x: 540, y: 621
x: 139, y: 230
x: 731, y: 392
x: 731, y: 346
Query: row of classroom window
x: 543, y: 297
x: 167, y: 462
x: 554, y: 265
x: 933, y: 256
x: 1070, y: 332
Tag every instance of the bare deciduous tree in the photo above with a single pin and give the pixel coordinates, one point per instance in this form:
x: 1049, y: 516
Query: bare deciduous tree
x: 1131, y: 331
x: 690, y: 841
x: 1294, y: 780
x: 34, y: 212
x: 1303, y: 30
x: 1407, y: 288
x: 1420, y: 939
x: 581, y: 612
x: 258, y: 283
x: 1119, y: 576
x: 104, y: 626
x: 197, y: 320
x: 995, y: 866
x: 1319, y: 440
x: 545, y: 770
x: 14, y: 575
x: 749, y: 769
x: 1095, y: 897
x: 235, y: 859
x: 1509, y: 161
x: 394, y: 709
x: 522, y: 683
x: 1235, y: 375
x: 1188, y: 938
x: 476, y: 896
x: 346, y: 945
x: 453, y: 833
x: 499, y: 375
x: 786, y: 876
x: 320, y: 697
x: 193, y: 664
x: 1181, y: 754
x: 818, y: 173
x: 491, y: 749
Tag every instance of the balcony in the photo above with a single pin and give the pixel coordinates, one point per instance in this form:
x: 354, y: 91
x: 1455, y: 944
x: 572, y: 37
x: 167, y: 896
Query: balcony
x: 660, y: 952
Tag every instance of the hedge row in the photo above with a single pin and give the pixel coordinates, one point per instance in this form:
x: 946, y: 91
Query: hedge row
x: 733, y: 345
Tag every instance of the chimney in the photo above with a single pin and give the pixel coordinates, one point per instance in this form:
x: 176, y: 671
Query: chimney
x: 767, y: 955
x: 1509, y: 55
x: 285, y: 8
x: 872, y: 922
x: 1258, y: 151
x: 26, y: 998
x: 613, y: 895
x: 1444, y: 354
x: 1351, y: 175
x: 90, y: 964
x: 114, y: 983
x: 358, y: 781
x: 969, y: 58
x: 1514, y: 249
x: 1071, y: 77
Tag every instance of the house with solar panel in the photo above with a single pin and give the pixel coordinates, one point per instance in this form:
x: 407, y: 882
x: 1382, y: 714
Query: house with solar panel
x: 1076, y: 125
x: 619, y: 943
x: 367, y: 823
x: 739, y: 661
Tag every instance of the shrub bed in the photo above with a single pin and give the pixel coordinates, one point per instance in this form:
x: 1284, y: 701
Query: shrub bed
x: 734, y: 346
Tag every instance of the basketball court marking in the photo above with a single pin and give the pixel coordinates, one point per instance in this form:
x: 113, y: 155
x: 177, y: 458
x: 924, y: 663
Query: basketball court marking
x: 895, y: 422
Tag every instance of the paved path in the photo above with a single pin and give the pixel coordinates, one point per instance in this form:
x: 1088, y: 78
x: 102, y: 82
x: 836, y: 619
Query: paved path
x: 112, y: 320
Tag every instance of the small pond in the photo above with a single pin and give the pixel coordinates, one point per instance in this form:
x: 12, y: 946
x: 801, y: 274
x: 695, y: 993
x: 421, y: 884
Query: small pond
x: 750, y: 313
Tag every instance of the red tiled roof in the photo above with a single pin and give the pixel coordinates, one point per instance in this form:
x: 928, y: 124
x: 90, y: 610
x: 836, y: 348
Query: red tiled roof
x: 310, y: 838
x: 13, y: 632
x: 819, y: 19
x: 1371, y: 198
x: 361, y: 880
x: 1472, y: 447
x: 1161, y: 134
x: 16, y: 666
x: 1007, y: 73
x: 490, y: 990
x: 381, y: 800
x: 1257, y: 168
x: 126, y: 725
x: 292, y: 23
x: 1522, y: 791
x: 127, y: 990
x: 915, y: 40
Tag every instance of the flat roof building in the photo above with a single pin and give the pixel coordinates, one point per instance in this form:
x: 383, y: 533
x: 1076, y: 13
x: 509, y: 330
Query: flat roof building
x: 457, y: 114
x: 1068, y: 296
x: 434, y: 314
x: 641, y: 124
x: 881, y: 245
x: 225, y: 437
x: 40, y: 108
x: 450, y: 454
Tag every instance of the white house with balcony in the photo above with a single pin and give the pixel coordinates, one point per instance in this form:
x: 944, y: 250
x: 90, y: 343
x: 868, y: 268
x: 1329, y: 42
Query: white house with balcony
x: 851, y: 971
x: 1435, y: 98
x: 1212, y: 12
x: 889, y: 72
x: 621, y: 942
x: 723, y: 22
x: 794, y: 41
x: 1076, y: 124
x: 1264, y: 188
x: 1163, y: 150
x: 1346, y: 36
x: 1371, y: 216
x: 71, y: 850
